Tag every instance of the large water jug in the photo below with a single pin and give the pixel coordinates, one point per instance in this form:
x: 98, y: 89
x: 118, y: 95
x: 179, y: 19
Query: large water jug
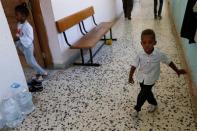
x: 16, y: 88
x: 11, y: 113
x: 2, y: 121
x: 25, y: 103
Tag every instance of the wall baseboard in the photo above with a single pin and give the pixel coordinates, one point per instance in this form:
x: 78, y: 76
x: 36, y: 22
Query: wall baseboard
x: 68, y: 63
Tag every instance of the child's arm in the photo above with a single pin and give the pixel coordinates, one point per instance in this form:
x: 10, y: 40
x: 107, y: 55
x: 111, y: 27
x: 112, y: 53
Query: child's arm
x: 178, y: 71
x: 167, y: 61
x: 134, y: 65
x: 131, y: 74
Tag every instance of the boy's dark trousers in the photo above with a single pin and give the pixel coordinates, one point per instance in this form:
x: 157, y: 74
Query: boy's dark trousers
x: 145, y: 94
x: 127, y: 6
x: 160, y: 7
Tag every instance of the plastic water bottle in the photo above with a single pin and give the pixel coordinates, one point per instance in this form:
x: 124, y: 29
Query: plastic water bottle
x: 25, y: 103
x: 11, y: 113
x: 2, y: 122
x: 16, y: 88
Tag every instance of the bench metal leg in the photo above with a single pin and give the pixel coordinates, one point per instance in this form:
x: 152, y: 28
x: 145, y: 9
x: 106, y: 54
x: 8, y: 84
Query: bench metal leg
x: 82, y: 58
x: 105, y: 38
x: 91, y: 59
x: 87, y: 64
x: 98, y: 49
x: 111, y: 36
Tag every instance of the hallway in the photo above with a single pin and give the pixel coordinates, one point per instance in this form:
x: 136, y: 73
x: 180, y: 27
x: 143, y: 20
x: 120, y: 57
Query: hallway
x: 100, y: 98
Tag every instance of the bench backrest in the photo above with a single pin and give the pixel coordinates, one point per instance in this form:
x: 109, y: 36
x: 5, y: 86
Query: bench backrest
x: 69, y: 21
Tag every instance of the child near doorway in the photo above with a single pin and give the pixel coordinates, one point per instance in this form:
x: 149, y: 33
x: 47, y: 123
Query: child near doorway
x: 24, y: 39
x: 148, y: 64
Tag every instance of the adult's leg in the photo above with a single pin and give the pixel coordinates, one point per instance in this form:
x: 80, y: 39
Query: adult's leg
x: 124, y: 2
x: 155, y: 7
x: 160, y: 7
x: 129, y: 8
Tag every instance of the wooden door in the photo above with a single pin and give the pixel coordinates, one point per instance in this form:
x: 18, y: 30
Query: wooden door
x: 9, y: 6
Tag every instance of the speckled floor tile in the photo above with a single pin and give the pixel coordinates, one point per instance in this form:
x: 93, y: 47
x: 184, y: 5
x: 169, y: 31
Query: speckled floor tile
x: 100, y: 99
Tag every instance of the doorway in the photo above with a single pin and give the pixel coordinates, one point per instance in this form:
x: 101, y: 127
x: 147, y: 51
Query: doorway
x: 41, y: 49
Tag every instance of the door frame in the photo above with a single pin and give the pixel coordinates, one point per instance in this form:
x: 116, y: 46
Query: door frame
x: 41, y: 32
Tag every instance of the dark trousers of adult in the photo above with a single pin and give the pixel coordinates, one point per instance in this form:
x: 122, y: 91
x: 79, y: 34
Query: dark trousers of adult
x: 127, y: 7
x: 160, y: 7
x: 145, y: 94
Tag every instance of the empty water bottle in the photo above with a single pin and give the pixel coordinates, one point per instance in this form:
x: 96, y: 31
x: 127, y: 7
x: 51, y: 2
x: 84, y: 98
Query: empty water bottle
x: 2, y: 121
x: 11, y: 113
x: 25, y: 103
x: 17, y: 88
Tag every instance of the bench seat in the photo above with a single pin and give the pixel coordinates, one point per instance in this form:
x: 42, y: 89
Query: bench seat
x: 91, y: 38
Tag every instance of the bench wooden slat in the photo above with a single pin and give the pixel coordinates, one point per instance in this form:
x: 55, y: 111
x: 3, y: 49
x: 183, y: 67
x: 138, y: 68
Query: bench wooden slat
x: 90, y: 40
x: 69, y: 21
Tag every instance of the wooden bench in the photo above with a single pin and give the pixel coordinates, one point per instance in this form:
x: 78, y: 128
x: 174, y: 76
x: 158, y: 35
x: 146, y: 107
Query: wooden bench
x: 89, y: 39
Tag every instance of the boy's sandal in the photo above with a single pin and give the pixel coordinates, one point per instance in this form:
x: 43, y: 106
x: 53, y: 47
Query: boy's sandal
x: 35, y: 82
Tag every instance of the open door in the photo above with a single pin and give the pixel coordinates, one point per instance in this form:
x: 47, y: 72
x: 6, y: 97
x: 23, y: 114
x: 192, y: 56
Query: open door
x: 9, y: 6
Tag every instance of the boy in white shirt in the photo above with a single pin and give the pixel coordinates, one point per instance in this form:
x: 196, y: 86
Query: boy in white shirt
x: 24, y: 38
x: 148, y: 64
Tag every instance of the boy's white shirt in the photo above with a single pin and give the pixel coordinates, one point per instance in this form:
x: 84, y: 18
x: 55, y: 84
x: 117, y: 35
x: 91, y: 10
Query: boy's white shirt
x: 25, y: 33
x: 148, y: 66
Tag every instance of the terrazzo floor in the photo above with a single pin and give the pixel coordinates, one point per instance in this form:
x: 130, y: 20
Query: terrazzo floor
x: 100, y: 98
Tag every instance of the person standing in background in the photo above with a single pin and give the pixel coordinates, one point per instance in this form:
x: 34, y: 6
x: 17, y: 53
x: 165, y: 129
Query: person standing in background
x: 157, y: 13
x: 127, y: 7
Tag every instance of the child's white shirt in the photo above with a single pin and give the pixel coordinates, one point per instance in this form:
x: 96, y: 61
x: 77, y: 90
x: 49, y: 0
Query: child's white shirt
x: 148, y: 66
x: 25, y: 34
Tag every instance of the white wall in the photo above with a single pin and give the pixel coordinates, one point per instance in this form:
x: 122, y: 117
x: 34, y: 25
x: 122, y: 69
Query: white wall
x: 48, y: 16
x: 10, y: 67
x: 105, y: 10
